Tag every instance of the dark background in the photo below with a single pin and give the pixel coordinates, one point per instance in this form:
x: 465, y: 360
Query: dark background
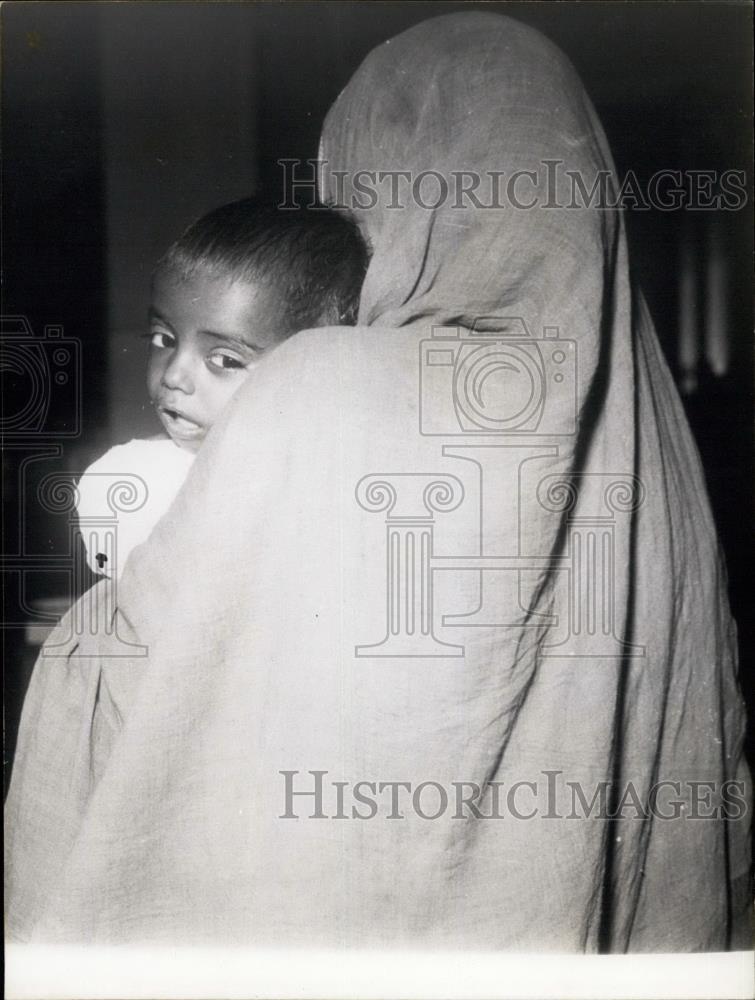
x: 122, y: 122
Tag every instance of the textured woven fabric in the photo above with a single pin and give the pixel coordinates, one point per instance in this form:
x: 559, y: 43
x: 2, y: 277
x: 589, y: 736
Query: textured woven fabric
x: 475, y: 556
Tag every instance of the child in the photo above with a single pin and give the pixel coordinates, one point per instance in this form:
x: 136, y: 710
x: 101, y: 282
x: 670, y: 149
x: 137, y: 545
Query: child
x: 238, y: 282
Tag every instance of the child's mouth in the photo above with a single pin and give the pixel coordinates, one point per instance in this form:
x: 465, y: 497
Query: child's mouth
x: 180, y: 426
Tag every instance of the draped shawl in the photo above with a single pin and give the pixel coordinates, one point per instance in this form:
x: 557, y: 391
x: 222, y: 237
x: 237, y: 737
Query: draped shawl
x: 465, y: 544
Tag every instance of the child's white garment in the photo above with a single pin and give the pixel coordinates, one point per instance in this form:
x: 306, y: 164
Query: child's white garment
x: 123, y: 495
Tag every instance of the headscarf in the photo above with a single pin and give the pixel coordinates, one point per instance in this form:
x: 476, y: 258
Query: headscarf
x: 411, y: 556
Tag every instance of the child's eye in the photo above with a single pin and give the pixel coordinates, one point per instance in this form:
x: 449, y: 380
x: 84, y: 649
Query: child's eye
x: 159, y: 338
x: 226, y: 361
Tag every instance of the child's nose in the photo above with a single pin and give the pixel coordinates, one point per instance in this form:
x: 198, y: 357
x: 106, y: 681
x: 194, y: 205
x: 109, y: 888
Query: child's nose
x: 178, y: 373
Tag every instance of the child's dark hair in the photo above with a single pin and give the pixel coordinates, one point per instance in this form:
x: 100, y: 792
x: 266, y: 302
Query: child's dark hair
x: 314, y: 258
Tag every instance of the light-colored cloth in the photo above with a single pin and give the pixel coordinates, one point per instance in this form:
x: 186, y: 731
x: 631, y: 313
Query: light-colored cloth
x: 122, y: 496
x: 402, y: 558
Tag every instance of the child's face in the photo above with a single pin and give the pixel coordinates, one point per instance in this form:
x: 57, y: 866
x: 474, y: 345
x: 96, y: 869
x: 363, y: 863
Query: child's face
x: 205, y: 334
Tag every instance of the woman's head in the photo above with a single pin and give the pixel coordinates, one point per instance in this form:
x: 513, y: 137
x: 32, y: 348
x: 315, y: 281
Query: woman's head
x: 463, y: 130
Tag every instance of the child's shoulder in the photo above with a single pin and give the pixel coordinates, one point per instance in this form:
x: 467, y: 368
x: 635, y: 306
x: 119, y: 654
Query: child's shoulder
x: 154, y: 468
x: 142, y: 452
x: 138, y: 481
x: 151, y: 469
